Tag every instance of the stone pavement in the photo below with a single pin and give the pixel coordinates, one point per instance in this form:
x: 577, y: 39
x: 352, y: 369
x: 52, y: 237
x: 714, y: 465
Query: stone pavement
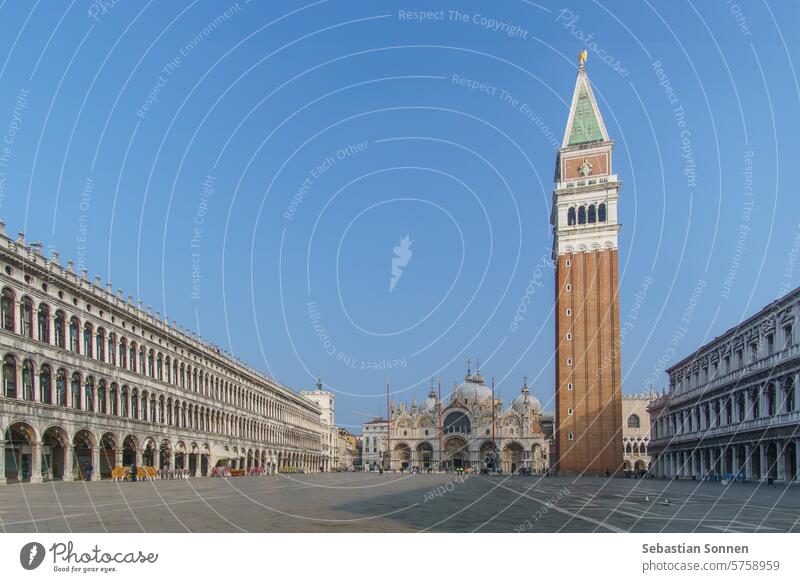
x: 358, y: 502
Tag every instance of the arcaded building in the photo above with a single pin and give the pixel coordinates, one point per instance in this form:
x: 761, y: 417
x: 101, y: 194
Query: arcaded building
x: 636, y: 431
x: 732, y: 405
x: 588, y: 423
x: 91, y: 378
x: 470, y: 428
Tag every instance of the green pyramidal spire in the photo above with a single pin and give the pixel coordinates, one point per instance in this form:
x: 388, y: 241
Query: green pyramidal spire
x: 585, y: 127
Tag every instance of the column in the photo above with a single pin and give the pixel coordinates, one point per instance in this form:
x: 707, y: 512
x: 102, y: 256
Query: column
x: 722, y: 460
x: 2, y: 461
x: 51, y: 331
x: 68, y: 463
x: 118, y: 457
x: 762, y: 449
x: 796, y: 476
x: 18, y: 378
x: 781, y: 458
x: 748, y: 462
x: 96, y: 463
x: 735, y: 460
x: 36, y: 462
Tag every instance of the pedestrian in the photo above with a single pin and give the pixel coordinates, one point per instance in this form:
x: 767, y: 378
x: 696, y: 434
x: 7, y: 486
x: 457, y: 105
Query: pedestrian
x: 88, y: 470
x: 134, y: 471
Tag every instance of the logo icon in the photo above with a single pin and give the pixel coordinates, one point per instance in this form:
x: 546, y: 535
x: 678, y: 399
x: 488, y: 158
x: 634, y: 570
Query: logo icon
x: 402, y: 254
x: 31, y: 555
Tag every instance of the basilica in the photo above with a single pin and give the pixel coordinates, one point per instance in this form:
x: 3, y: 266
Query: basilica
x: 469, y: 429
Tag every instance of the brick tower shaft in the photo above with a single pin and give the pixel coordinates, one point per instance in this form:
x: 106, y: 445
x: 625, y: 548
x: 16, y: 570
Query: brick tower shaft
x: 588, y: 427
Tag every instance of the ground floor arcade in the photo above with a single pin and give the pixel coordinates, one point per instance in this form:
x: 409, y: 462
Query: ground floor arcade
x: 62, y: 453
x: 457, y: 452
x: 777, y: 459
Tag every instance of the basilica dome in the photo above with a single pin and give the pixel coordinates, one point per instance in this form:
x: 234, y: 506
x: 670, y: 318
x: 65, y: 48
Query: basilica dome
x: 525, y: 399
x: 519, y: 403
x: 472, y: 390
x: 430, y: 402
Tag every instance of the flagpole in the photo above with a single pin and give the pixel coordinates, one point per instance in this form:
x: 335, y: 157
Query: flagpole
x: 494, y: 445
x: 439, y: 423
x: 389, y: 424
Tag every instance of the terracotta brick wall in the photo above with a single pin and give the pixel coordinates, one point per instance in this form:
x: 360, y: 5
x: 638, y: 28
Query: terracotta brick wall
x: 596, y: 397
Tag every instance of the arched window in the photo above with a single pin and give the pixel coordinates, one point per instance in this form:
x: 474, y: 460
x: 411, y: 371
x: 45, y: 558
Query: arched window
x: 9, y: 377
x: 112, y: 349
x: 133, y: 356
x: 28, y: 390
x: 592, y: 214
x: 571, y: 217
x: 152, y: 409
x: 60, y: 329
x: 124, y: 402
x: 101, y: 344
x: 457, y: 422
x: 7, y: 310
x: 44, y: 323
x: 76, y: 391
x: 633, y: 421
x: 112, y: 400
x: 46, y: 385
x: 771, y: 400
x: 74, y: 335
x: 88, y: 394
x: 87, y: 340
x: 159, y: 367
x: 101, y: 397
x: 135, y: 404
x: 61, y: 388
x: 582, y: 215
x: 141, y: 361
x: 756, y: 402
x: 788, y: 395
x: 161, y: 410
x: 123, y: 353
x: 601, y: 213
x: 151, y: 365
x: 26, y: 314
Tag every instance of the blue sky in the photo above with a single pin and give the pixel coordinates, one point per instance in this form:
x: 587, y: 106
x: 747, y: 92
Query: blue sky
x: 249, y: 168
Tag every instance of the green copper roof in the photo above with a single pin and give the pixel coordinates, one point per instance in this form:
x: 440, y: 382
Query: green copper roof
x: 585, y: 126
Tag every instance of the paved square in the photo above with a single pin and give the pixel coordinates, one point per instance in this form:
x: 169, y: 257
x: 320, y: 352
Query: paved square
x: 357, y: 502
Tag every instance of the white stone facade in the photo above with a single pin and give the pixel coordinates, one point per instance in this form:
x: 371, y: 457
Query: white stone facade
x: 374, y: 442
x: 90, y: 378
x: 465, y: 431
x: 330, y: 434
x: 732, y: 406
x: 636, y: 431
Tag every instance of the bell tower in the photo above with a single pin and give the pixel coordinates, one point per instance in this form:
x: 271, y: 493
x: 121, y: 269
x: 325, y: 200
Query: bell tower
x: 588, y: 431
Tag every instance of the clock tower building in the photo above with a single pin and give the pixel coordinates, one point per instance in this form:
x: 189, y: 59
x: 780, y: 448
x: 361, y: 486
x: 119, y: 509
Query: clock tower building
x: 588, y: 431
